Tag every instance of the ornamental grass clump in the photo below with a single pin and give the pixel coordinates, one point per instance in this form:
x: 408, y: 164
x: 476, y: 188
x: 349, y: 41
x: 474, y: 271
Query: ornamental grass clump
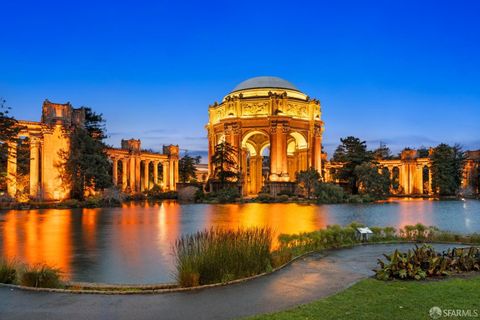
x: 217, y: 255
x: 41, y: 276
x: 8, y: 271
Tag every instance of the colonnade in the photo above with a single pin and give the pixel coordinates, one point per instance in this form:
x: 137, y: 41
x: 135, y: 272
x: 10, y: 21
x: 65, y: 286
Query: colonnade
x: 131, y: 173
x: 135, y: 167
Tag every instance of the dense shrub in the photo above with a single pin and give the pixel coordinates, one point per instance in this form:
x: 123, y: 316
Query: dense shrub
x: 286, y: 193
x: 228, y: 194
x: 69, y: 203
x: 282, y: 198
x: 265, y: 198
x: 41, y: 276
x: 329, y: 193
x: 8, y: 272
x: 217, y: 255
x: 332, y: 237
x: 423, y: 262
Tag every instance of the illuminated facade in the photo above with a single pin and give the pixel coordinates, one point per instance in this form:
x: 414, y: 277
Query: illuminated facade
x: 275, y: 128
x: 411, y: 175
x: 49, y: 137
x: 132, y: 167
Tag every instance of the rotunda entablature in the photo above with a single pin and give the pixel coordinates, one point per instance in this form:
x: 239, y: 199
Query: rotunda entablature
x: 263, y: 97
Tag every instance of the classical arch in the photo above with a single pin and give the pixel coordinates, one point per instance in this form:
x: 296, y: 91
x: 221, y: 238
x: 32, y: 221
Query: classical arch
x: 254, y: 144
x: 268, y: 113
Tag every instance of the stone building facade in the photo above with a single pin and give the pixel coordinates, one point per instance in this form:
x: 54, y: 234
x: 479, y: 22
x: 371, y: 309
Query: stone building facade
x: 135, y: 170
x: 50, y: 137
x: 412, y: 176
x: 267, y: 119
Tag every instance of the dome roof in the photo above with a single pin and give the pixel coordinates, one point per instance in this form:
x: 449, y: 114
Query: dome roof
x: 265, y: 82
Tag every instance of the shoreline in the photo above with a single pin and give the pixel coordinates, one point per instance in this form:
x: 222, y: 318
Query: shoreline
x: 163, y: 288
x: 85, y: 205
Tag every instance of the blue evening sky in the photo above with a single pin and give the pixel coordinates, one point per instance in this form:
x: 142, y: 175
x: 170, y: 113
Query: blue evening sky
x: 403, y: 72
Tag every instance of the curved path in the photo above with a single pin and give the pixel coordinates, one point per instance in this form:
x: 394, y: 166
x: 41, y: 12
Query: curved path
x: 303, y: 281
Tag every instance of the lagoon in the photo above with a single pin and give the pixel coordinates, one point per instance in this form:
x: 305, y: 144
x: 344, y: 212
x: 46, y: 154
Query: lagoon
x: 133, y: 244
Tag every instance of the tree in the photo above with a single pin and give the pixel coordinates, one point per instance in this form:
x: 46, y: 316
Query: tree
x: 447, y: 169
x: 371, y: 181
x: 351, y: 152
x: 224, y: 162
x: 9, y: 129
x: 186, y: 167
x: 86, y: 164
x: 95, y: 124
x: 423, y: 152
x: 308, y: 179
x: 382, y: 153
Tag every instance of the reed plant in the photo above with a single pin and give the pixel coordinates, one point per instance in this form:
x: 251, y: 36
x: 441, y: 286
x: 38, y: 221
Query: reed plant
x: 218, y: 255
x: 41, y: 276
x: 8, y: 271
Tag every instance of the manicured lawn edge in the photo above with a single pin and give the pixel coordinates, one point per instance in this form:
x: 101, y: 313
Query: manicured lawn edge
x: 397, y: 299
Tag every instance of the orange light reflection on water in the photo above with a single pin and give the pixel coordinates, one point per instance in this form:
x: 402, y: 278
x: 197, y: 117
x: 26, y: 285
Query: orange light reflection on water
x: 38, y: 238
x: 281, y: 218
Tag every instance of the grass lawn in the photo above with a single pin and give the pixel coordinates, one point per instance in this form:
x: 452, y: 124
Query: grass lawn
x: 374, y: 299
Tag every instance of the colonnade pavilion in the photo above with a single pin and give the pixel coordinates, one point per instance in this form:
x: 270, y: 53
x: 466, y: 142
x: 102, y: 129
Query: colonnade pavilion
x: 277, y: 131
x: 131, y: 165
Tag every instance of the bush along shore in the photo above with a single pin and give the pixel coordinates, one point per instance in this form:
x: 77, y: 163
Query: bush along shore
x: 216, y: 256
x: 109, y: 198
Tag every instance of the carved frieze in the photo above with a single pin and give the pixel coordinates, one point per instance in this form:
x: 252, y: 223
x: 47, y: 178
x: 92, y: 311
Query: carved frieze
x: 254, y: 108
x: 297, y: 110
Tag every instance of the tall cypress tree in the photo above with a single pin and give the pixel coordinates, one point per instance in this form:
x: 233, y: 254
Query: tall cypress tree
x: 186, y: 167
x: 86, y: 162
x: 224, y: 162
x: 352, y: 152
x: 447, y: 169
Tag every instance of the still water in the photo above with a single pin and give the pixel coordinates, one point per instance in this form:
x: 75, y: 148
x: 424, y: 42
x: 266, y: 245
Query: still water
x: 133, y: 244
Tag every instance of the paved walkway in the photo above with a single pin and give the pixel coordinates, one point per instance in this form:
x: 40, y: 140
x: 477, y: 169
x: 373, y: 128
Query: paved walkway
x: 303, y: 281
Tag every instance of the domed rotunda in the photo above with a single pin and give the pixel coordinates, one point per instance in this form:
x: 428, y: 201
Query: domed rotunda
x: 275, y: 128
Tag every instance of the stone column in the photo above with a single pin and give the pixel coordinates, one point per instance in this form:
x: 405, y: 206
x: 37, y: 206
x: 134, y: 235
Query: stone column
x: 317, y: 150
x: 124, y: 174
x: 146, y: 175
x: 131, y: 182
x: 418, y: 180
x: 171, y: 174
x: 278, y: 152
x: 253, y: 175
x: 430, y: 180
x: 166, y: 178
x: 34, y: 167
x: 155, y: 172
x: 115, y: 171
x: 138, y: 178
x: 176, y: 174
x: 12, y: 169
